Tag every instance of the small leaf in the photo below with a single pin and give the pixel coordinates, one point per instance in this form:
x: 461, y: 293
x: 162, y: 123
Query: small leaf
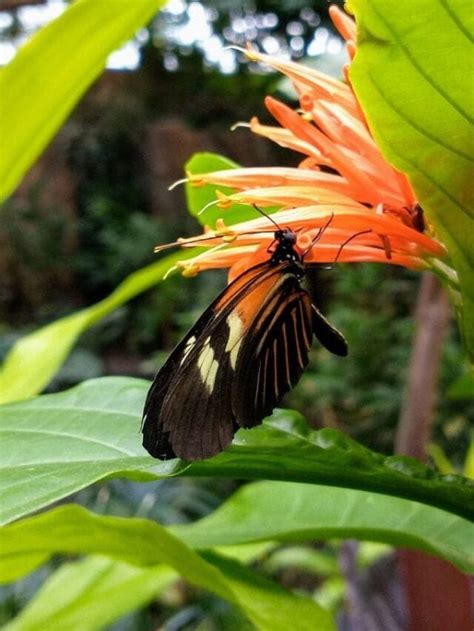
x: 49, y: 74
x: 34, y: 359
x: 54, y: 445
x: 410, y: 76
x: 198, y: 197
x: 90, y: 594
x: 287, y: 511
x: 73, y: 530
x: 463, y: 388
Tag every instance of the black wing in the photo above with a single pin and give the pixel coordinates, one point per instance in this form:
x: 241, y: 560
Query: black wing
x: 233, y: 367
x: 329, y: 336
x: 188, y: 408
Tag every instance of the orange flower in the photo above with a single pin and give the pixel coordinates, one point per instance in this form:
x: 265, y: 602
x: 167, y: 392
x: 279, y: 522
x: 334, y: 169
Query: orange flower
x: 369, y: 209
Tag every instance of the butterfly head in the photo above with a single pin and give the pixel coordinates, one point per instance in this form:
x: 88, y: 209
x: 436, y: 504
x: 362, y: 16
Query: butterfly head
x: 285, y: 249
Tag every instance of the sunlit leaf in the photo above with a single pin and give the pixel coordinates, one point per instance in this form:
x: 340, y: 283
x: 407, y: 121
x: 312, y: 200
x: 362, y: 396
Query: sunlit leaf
x: 73, y: 530
x: 411, y: 76
x: 41, y: 85
x: 56, y: 444
x: 300, y: 512
x: 35, y: 358
x: 198, y: 197
x: 90, y: 594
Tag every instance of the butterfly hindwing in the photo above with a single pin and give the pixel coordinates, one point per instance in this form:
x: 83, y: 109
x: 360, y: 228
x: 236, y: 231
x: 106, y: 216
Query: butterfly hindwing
x: 329, y: 336
x: 272, y: 359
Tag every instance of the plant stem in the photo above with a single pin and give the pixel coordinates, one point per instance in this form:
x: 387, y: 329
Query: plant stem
x: 437, y: 595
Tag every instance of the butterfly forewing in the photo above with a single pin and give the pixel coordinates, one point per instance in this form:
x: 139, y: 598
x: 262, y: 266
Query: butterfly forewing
x: 188, y: 408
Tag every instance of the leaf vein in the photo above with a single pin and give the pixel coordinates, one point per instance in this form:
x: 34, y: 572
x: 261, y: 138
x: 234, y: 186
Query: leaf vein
x: 86, y: 439
x: 417, y: 66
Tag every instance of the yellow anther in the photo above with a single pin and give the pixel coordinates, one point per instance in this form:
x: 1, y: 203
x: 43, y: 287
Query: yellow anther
x: 189, y: 269
x: 220, y: 225
x: 250, y: 53
x: 195, y: 180
x: 228, y: 238
x: 224, y: 200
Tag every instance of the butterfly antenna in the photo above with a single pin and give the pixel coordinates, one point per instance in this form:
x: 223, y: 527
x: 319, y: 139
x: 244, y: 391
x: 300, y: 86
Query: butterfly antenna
x: 343, y: 245
x: 318, y: 235
x: 262, y: 212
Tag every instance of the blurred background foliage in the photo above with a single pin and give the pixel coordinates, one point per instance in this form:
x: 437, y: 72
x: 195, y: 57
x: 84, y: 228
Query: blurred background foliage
x: 95, y: 204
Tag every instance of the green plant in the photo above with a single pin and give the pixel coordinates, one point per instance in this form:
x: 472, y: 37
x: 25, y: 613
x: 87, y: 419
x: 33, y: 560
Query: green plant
x: 313, y: 485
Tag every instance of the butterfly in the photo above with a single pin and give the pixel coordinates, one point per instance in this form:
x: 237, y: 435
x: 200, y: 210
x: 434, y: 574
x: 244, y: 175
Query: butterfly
x: 244, y: 353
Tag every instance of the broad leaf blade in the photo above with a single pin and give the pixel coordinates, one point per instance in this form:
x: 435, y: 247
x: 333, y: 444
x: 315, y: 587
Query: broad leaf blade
x: 198, y: 197
x: 51, y: 72
x: 89, y: 594
x: 410, y: 76
x: 73, y: 530
x: 287, y: 511
x: 55, y: 445
x: 97, y: 425
x: 34, y: 359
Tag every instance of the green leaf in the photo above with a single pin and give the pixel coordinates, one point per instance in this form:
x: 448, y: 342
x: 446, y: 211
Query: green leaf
x: 410, y: 76
x: 34, y: 359
x: 463, y: 388
x: 300, y: 512
x: 90, y: 594
x: 50, y: 73
x: 73, y: 530
x: 197, y: 197
x: 56, y: 444
x: 469, y: 461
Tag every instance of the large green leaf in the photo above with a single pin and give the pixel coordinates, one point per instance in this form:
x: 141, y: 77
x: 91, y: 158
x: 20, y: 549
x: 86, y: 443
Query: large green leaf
x: 34, y: 359
x: 286, y: 511
x: 411, y: 76
x: 198, y: 197
x: 90, y: 594
x: 51, y: 72
x: 56, y: 444
x: 73, y: 530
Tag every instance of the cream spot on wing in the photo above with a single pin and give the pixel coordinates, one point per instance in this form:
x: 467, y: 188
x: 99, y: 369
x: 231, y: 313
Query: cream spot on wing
x: 187, y: 348
x: 236, y: 329
x: 211, y: 375
x: 208, y: 365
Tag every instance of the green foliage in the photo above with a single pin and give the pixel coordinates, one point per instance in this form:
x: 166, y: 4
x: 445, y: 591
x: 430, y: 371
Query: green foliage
x: 97, y: 424
x: 410, y: 77
x: 72, y: 530
x: 55, y: 445
x: 35, y: 359
x: 283, y: 511
x: 66, y: 56
x: 96, y: 590
x: 198, y: 197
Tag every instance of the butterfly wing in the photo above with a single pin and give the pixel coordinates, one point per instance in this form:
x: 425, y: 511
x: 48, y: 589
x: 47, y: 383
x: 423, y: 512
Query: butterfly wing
x: 188, y: 408
x: 328, y: 335
x: 233, y: 367
x: 272, y: 359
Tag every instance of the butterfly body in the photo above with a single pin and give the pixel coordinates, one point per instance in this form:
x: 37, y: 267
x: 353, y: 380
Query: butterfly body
x: 243, y: 354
